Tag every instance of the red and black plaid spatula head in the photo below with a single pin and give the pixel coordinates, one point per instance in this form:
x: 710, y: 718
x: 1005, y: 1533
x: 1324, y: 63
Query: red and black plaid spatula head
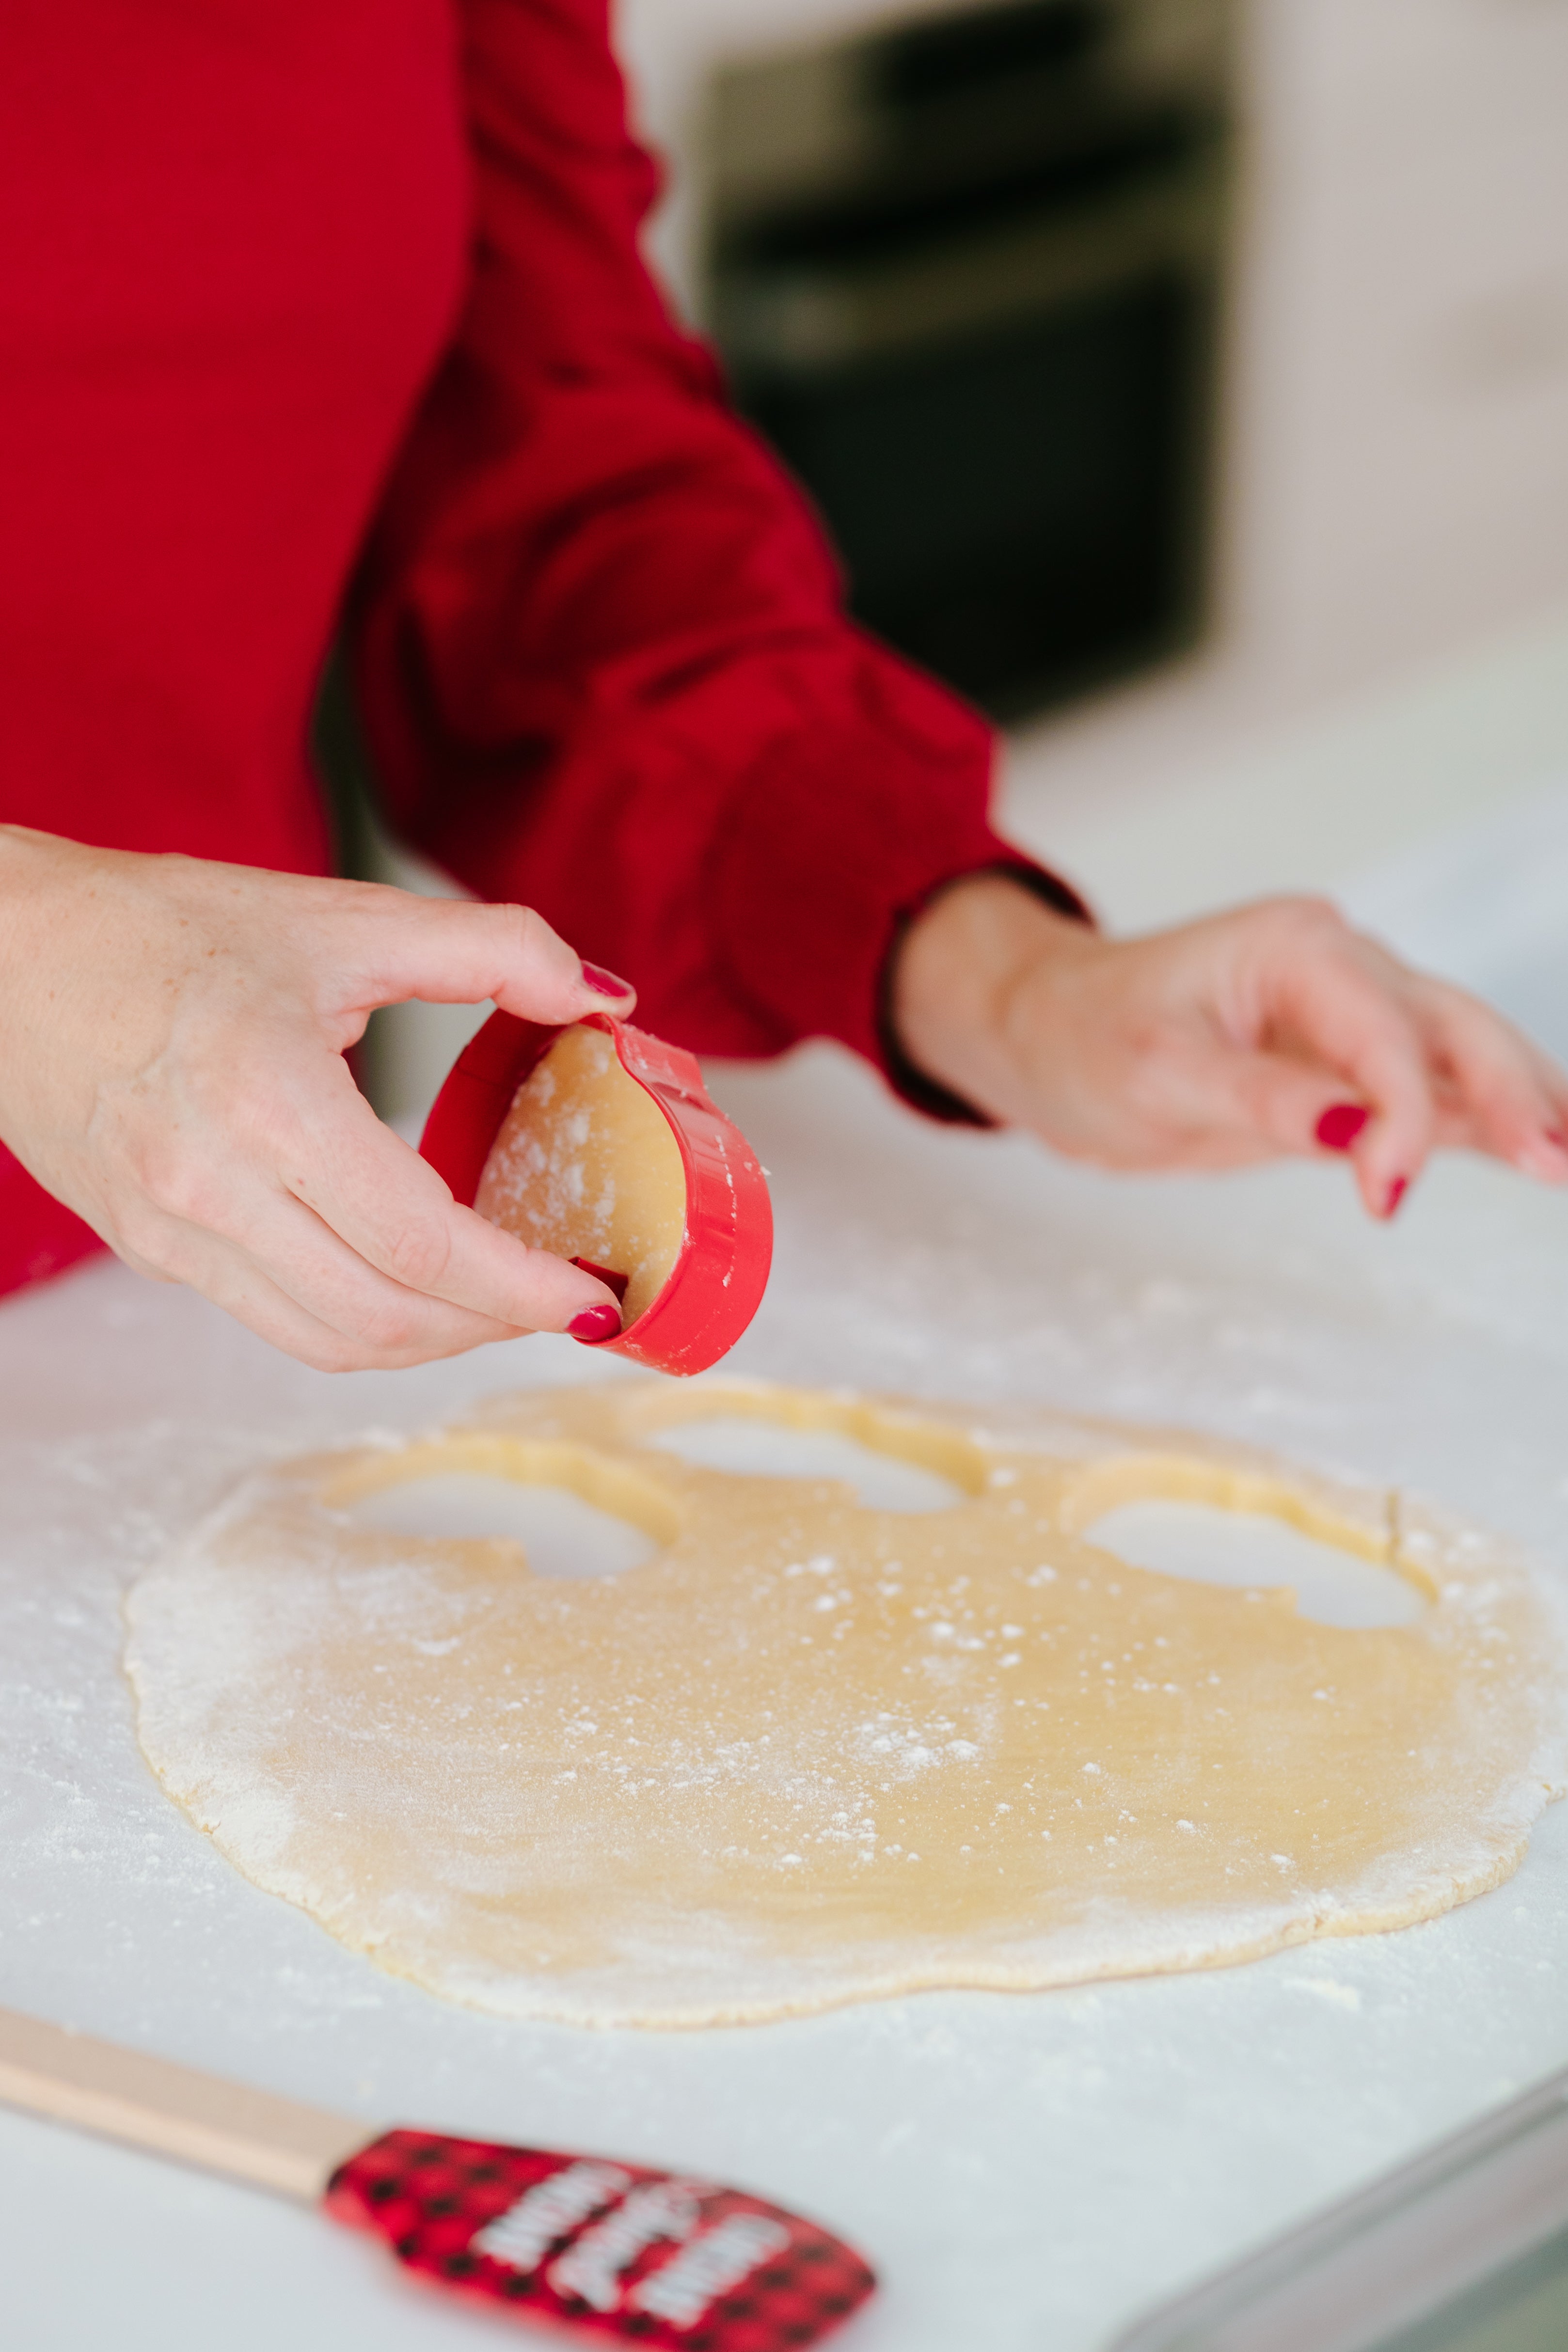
x: 609, y: 2251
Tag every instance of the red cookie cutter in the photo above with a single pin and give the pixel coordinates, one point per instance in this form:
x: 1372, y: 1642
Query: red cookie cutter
x: 721, y: 1270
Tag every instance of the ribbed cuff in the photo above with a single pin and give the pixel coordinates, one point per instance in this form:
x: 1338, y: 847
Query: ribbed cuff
x: 838, y: 838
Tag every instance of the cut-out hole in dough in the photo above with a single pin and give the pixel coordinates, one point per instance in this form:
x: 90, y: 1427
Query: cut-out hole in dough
x: 749, y: 1446
x: 1253, y: 1551
x: 561, y: 1533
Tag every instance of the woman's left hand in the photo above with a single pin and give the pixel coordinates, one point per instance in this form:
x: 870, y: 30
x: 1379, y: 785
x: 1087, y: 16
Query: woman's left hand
x: 1273, y: 1030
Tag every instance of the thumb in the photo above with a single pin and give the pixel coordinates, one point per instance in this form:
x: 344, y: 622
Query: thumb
x: 453, y: 951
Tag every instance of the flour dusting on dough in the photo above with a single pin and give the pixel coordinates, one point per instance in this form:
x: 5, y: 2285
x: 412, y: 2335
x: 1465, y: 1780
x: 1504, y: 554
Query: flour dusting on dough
x: 586, y: 1165
x: 814, y: 1752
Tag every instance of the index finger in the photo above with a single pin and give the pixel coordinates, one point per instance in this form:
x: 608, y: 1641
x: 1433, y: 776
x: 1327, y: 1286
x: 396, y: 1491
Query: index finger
x: 453, y: 951
x: 1351, y: 1019
x: 392, y: 1208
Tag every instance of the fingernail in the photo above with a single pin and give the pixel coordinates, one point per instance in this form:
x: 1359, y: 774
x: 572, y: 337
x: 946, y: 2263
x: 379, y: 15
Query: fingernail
x: 1340, y: 1126
x: 594, y: 1324
x: 1556, y: 1137
x: 606, y: 983
x: 1396, y: 1191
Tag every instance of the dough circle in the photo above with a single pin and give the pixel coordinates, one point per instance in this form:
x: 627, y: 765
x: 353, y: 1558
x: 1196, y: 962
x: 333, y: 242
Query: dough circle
x: 586, y: 1165
x: 813, y: 1752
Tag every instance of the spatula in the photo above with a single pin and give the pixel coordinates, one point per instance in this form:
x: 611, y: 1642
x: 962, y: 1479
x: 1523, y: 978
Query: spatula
x: 667, y: 2261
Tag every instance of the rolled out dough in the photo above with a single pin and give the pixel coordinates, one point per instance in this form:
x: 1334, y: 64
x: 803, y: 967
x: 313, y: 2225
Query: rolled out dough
x: 813, y: 1752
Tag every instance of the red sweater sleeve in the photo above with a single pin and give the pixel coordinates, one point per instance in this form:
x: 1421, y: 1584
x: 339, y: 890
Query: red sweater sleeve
x: 596, y: 633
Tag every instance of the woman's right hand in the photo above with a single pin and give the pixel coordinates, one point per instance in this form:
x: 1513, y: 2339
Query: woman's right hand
x: 171, y: 1042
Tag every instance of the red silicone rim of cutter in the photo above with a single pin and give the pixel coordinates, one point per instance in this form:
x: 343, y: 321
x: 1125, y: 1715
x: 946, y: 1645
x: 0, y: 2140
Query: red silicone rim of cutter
x: 721, y: 1270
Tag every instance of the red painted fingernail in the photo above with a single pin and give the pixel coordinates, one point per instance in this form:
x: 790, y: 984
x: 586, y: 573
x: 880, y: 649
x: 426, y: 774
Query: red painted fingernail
x: 606, y: 983
x: 1556, y: 1137
x: 594, y: 1323
x: 1396, y: 1191
x: 1340, y: 1126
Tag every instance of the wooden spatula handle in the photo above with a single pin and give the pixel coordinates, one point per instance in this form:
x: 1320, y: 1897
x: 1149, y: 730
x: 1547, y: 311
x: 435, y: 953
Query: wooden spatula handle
x: 125, y: 2094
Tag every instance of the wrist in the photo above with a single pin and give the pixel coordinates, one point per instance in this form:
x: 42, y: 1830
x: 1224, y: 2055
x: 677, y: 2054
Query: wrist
x: 26, y: 866
x: 956, y: 977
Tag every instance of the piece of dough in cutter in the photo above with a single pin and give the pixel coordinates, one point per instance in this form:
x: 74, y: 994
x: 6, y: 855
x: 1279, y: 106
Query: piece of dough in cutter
x: 813, y: 1752
x: 585, y: 1164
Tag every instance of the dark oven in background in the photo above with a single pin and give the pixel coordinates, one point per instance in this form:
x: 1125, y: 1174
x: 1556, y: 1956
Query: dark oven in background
x: 966, y: 273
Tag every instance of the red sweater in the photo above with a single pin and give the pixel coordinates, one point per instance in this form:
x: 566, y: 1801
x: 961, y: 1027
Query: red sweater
x: 334, y: 299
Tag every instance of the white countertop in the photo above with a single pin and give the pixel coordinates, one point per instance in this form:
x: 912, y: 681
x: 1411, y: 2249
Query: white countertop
x: 1027, y: 2171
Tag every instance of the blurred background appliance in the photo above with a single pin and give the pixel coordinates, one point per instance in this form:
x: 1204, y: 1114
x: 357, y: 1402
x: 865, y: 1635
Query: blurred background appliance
x: 966, y: 273
x: 1390, y: 477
